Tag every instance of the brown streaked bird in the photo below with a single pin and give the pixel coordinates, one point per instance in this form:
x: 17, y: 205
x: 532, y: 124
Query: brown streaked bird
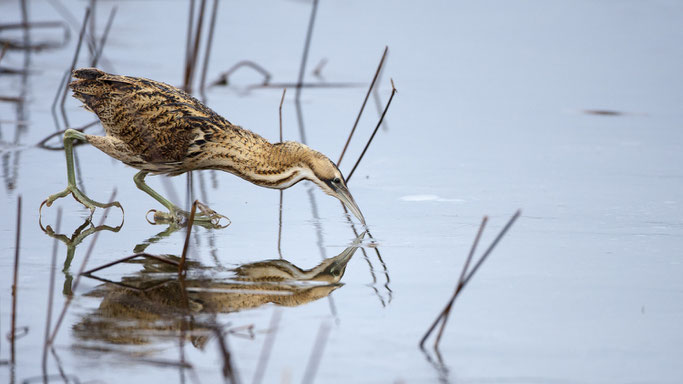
x: 160, y: 129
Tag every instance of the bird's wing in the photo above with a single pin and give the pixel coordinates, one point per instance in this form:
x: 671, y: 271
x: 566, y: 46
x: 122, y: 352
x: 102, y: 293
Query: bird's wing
x: 156, y: 120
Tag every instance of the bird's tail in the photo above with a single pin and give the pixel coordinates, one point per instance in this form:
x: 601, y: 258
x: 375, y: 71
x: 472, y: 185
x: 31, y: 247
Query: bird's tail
x: 88, y: 73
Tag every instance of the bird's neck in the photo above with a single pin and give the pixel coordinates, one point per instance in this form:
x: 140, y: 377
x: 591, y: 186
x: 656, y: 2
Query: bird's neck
x: 254, y: 159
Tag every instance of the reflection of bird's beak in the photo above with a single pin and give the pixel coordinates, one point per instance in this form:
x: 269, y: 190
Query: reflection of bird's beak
x: 343, y: 194
x: 346, y: 254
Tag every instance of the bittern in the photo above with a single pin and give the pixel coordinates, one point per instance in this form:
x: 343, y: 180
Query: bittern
x: 160, y: 129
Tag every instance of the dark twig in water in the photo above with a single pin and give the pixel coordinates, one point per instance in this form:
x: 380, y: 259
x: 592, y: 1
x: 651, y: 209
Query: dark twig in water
x: 53, y: 108
x: 14, y: 283
x: 33, y: 25
x: 316, y: 353
x: 73, y: 66
x: 190, y: 222
x: 43, y: 143
x: 267, y: 346
x: 228, y: 370
x: 12, y: 99
x: 347, y: 84
x: 390, y: 293
x: 26, y: 26
x: 69, y: 298
x: 318, y: 70
x: 51, y: 289
x: 207, y: 50
x: 224, y: 78
x: 466, y: 277
x: 465, y: 267
x: 379, y: 123
x: 3, y: 51
x: 602, y: 112
x: 103, y: 40
x: 365, y: 101
x: 367, y: 259
x: 127, y: 258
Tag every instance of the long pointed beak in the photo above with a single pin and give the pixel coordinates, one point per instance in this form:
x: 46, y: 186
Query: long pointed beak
x: 344, y: 195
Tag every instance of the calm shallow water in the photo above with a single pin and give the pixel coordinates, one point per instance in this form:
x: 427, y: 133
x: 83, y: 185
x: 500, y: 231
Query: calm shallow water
x: 489, y: 118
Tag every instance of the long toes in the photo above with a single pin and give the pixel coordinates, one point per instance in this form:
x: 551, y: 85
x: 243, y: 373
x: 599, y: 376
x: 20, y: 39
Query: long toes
x: 214, y: 219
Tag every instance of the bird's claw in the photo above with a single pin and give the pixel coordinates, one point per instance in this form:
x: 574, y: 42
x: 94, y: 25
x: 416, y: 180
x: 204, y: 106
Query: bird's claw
x: 206, y: 217
x: 81, y: 198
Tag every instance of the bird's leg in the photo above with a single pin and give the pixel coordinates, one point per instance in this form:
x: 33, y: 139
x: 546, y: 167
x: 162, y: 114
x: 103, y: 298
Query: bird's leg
x: 206, y: 216
x: 69, y: 136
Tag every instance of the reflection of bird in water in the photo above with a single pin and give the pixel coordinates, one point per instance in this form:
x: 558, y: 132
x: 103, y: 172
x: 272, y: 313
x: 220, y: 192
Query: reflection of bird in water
x: 134, y: 315
x: 328, y: 271
x: 160, y: 129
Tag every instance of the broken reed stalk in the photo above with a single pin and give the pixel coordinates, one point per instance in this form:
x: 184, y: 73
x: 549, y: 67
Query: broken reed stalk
x: 3, y: 51
x: 224, y: 78
x: 447, y: 311
x: 362, y: 107
x: 43, y: 142
x: 317, y: 71
x: 105, y: 34
x: 31, y: 25
x: 124, y: 259
x: 282, y: 100
x: 307, y: 45
x: 188, y: 46
x: 207, y: 50
x: 24, y: 20
x: 190, y: 222
x: 14, y: 282
x: 73, y: 65
x: 92, y: 43
x: 195, y: 47
x: 51, y: 290
x: 69, y: 298
x: 267, y: 346
x: 228, y: 371
x: 316, y: 353
x: 466, y: 277
x: 279, y: 232
x: 378, y: 101
x: 53, y: 108
x: 302, y: 70
x: 379, y: 123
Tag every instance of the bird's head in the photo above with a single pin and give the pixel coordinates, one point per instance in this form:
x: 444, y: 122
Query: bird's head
x: 325, y: 174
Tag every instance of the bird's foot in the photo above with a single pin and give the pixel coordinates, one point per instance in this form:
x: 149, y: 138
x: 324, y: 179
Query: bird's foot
x: 206, y: 217
x: 81, y: 198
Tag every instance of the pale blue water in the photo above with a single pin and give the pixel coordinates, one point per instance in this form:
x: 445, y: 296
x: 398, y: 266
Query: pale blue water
x: 489, y: 118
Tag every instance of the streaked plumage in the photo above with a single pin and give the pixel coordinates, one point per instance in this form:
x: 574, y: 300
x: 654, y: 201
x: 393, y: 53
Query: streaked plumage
x: 160, y: 129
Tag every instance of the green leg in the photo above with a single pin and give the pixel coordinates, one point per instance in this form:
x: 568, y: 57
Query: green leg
x: 69, y: 136
x: 206, y: 217
x: 139, y: 179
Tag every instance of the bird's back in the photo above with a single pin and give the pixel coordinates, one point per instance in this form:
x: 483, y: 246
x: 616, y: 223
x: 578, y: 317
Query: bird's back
x: 155, y: 122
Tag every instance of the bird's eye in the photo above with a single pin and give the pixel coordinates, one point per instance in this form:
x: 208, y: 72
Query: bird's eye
x: 336, y: 180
